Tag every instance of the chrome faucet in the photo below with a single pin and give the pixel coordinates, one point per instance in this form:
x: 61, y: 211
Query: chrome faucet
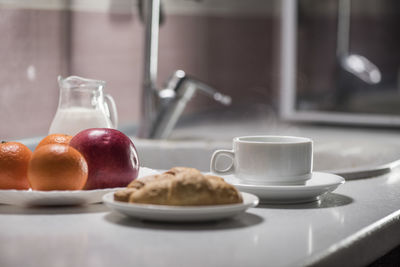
x: 357, y: 65
x: 173, y: 98
x: 161, y: 109
x: 350, y: 68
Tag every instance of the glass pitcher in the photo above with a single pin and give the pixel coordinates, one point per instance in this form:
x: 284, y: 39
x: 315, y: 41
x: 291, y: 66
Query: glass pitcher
x: 83, y: 105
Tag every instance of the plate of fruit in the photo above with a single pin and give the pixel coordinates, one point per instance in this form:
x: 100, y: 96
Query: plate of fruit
x: 68, y: 170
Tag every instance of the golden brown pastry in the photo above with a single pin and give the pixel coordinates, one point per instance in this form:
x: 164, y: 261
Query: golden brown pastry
x: 182, y: 187
x: 123, y: 195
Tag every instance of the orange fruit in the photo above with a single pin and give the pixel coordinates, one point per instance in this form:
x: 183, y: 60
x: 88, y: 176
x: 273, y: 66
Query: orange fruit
x: 57, y: 167
x: 55, y: 139
x: 14, y: 160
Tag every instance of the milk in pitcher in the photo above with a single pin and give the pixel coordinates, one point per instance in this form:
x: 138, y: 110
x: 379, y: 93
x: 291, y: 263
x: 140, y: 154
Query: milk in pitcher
x: 75, y: 119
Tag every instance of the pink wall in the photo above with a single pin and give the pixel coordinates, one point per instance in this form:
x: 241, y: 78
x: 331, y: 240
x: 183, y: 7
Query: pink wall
x: 31, y: 56
x: 234, y: 54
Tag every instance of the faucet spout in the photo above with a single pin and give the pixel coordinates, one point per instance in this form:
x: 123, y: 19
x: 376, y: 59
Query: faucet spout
x: 173, y: 99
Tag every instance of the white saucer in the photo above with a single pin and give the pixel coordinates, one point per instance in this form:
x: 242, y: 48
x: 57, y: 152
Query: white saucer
x: 180, y: 213
x: 319, y: 184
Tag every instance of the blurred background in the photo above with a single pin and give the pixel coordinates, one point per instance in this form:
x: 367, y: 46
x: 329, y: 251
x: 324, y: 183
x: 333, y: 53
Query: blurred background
x: 328, y: 77
x: 232, y: 45
x: 228, y: 44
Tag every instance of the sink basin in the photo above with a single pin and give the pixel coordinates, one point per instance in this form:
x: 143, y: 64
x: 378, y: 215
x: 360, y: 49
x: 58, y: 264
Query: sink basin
x: 351, y: 158
x: 163, y: 155
x: 347, y: 158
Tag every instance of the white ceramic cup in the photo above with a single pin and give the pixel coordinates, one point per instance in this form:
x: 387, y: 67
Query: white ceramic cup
x: 273, y: 160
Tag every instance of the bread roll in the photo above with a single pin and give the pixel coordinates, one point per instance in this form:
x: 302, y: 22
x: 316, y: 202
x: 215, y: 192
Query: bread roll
x: 180, y: 186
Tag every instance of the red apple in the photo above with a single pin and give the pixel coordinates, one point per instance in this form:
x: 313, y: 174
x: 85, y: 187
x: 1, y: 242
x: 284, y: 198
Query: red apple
x: 111, y: 157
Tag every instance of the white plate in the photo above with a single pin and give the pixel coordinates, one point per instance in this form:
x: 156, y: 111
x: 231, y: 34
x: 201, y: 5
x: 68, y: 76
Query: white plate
x: 319, y: 184
x: 59, y: 197
x: 53, y: 198
x: 180, y: 213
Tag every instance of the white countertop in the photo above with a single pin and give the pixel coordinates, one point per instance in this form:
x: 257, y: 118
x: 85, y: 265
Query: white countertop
x: 353, y: 226
x: 356, y: 224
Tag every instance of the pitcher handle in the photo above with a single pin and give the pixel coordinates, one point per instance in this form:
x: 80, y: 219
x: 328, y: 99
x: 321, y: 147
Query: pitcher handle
x: 113, y: 111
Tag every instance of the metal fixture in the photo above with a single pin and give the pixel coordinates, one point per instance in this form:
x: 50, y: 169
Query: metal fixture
x: 173, y: 98
x: 161, y: 109
x: 355, y: 64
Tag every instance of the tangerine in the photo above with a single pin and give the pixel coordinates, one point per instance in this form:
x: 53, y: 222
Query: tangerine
x: 55, y: 139
x: 57, y: 167
x: 14, y: 160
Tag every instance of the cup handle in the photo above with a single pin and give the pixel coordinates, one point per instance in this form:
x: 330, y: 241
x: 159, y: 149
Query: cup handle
x: 113, y: 111
x: 230, y: 154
